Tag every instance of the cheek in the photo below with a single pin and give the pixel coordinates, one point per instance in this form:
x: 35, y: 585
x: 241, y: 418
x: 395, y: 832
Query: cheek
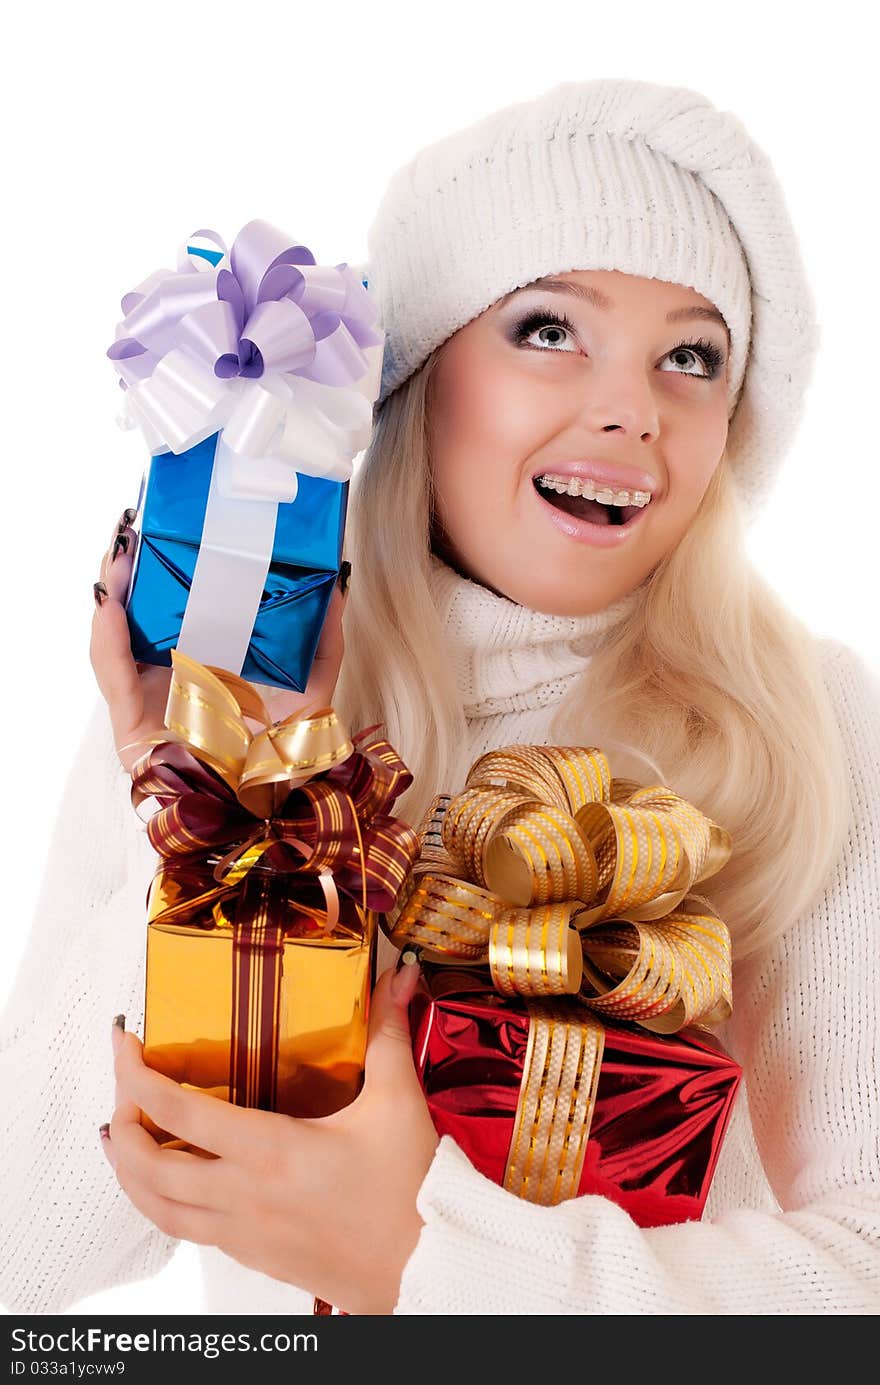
x: 481, y: 432
x: 489, y: 401
x: 480, y: 406
x: 697, y: 456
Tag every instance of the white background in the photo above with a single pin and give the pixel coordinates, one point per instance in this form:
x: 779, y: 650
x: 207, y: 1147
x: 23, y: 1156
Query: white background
x: 127, y: 127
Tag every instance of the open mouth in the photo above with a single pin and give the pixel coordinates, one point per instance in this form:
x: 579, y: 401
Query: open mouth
x: 593, y: 511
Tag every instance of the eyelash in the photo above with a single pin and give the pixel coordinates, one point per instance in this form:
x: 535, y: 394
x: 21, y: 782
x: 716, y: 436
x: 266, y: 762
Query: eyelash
x: 711, y: 356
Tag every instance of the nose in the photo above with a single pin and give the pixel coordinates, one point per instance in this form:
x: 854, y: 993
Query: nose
x: 619, y: 401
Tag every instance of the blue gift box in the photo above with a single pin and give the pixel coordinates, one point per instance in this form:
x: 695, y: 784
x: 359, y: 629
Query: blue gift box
x: 306, y: 557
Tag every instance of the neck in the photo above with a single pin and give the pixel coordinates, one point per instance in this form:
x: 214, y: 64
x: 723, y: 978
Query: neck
x: 507, y: 657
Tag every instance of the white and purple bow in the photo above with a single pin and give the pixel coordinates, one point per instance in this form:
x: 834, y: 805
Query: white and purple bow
x: 277, y: 351
x: 280, y: 357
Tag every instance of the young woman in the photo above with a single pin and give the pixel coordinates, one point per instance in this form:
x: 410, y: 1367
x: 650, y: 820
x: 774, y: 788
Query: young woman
x: 595, y: 312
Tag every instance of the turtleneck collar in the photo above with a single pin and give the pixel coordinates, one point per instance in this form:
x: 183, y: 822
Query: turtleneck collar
x: 506, y: 657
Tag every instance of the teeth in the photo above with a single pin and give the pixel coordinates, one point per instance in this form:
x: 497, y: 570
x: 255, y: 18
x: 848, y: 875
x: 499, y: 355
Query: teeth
x: 575, y: 486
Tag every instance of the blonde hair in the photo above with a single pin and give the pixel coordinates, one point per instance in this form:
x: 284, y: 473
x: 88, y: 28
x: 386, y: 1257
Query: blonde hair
x: 711, y: 678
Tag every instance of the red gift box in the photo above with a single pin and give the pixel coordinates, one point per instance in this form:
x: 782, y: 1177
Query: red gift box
x: 655, y: 1117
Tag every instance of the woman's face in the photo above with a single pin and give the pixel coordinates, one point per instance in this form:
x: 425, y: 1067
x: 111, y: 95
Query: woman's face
x: 516, y: 394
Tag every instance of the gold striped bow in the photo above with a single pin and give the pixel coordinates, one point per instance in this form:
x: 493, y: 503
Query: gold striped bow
x: 566, y: 881
x: 300, y: 795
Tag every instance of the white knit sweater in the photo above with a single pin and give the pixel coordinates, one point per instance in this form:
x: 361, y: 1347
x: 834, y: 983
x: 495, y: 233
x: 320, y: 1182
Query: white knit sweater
x: 792, y: 1225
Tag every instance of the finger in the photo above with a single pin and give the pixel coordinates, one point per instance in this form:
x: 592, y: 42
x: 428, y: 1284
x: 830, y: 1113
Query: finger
x: 110, y: 650
x: 331, y: 642
x: 117, y: 562
x: 175, y: 1174
x: 197, y: 1224
x: 405, y: 976
x: 240, y: 1134
x: 389, y: 1060
x: 123, y: 524
x: 204, y: 1226
x: 112, y: 661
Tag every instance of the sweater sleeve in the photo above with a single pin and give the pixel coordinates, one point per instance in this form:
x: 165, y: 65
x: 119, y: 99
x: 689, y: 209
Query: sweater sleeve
x: 807, y: 1037
x: 67, y: 1230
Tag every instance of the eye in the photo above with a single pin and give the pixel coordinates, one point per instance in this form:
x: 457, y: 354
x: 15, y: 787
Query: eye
x: 703, y: 350
x: 536, y: 321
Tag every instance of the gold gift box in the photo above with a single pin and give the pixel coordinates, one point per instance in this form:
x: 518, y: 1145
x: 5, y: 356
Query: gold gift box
x: 278, y: 847
x: 305, y: 1011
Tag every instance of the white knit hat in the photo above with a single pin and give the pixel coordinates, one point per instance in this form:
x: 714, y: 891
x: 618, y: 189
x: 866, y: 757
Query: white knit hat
x: 611, y: 174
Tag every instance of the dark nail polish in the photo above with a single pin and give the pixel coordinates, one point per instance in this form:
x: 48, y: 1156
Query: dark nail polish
x: 120, y: 545
x: 128, y: 517
x: 104, y: 1131
x: 410, y: 955
x: 344, y: 577
x: 100, y: 592
x: 119, y: 1021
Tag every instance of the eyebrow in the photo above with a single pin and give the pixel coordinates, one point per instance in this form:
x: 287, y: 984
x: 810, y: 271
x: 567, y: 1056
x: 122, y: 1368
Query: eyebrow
x: 597, y: 299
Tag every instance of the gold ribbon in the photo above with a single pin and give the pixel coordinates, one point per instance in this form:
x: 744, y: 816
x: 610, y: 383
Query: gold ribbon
x: 208, y: 710
x: 556, y: 1102
x: 569, y: 883
x: 566, y: 881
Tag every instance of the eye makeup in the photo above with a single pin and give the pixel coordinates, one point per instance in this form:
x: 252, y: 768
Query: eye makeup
x: 712, y: 356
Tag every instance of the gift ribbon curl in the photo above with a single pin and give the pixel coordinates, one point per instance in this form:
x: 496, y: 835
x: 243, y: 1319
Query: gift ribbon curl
x: 299, y: 797
x: 262, y: 342
x: 567, y: 881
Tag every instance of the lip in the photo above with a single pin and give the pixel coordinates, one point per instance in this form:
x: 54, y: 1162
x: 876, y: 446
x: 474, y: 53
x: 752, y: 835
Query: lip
x: 582, y: 531
x: 605, y: 473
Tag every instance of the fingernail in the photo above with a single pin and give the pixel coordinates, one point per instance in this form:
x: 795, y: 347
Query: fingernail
x: 406, y: 975
x: 128, y: 517
x: 107, y: 1145
x: 101, y: 593
x: 410, y: 956
x: 120, y: 545
x: 117, y: 1031
x: 344, y: 577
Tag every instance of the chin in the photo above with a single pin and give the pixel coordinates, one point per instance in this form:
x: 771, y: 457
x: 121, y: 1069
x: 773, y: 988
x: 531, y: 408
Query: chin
x: 551, y: 596
x: 549, y: 599
x: 556, y: 596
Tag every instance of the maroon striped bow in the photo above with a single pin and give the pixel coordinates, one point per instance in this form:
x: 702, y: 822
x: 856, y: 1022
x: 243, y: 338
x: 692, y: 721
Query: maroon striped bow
x: 299, y: 797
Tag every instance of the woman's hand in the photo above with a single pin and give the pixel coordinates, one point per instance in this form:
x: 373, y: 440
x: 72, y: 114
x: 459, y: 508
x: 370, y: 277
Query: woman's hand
x: 136, y: 694
x: 328, y: 1205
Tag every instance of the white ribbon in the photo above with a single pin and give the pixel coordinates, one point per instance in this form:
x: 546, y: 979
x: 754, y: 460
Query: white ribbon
x: 270, y: 429
x: 230, y: 573
x: 273, y: 425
